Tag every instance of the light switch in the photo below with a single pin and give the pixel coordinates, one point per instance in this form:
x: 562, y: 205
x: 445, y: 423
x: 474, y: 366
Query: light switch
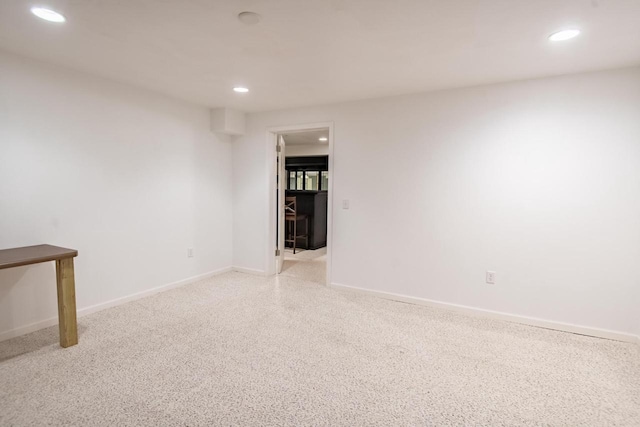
x: 491, y: 277
x: 345, y: 204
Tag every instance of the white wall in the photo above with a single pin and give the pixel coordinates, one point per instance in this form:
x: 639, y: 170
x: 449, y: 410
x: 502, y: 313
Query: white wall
x: 129, y: 178
x: 538, y: 180
x: 306, y: 150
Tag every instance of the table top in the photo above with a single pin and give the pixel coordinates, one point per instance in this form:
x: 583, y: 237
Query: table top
x: 26, y: 255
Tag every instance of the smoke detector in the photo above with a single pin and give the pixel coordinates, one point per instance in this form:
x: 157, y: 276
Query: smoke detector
x: 249, y: 18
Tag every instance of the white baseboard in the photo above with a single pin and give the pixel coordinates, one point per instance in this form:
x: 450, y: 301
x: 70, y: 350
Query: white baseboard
x: 531, y: 321
x: 253, y: 271
x: 27, y: 329
x: 32, y: 327
x: 119, y: 301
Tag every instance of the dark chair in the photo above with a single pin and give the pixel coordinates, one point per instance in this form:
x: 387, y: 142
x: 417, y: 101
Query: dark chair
x: 291, y: 217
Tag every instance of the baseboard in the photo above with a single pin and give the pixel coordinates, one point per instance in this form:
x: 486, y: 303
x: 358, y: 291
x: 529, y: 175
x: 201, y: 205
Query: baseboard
x: 32, y: 327
x: 119, y: 301
x: 531, y: 321
x: 27, y: 329
x: 253, y: 271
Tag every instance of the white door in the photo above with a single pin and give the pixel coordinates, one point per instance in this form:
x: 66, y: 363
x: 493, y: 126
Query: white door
x: 281, y: 179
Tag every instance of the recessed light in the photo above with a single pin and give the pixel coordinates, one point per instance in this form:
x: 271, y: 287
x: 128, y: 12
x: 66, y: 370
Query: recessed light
x: 323, y: 139
x: 240, y: 89
x: 563, y: 35
x: 48, y: 14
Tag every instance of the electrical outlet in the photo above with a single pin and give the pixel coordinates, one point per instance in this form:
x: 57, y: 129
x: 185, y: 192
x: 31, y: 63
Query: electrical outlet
x: 491, y: 277
x: 189, y: 252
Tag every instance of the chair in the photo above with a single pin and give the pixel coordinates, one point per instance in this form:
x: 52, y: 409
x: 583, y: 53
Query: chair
x: 291, y: 216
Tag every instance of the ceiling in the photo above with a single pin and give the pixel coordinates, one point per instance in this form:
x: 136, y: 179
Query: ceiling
x: 306, y: 52
x: 304, y: 138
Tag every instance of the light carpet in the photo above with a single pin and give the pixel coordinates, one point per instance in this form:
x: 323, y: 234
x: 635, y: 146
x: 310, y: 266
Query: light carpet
x: 310, y: 265
x: 244, y: 350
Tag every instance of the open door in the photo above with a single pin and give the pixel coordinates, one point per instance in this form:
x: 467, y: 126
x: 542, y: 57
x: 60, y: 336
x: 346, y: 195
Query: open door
x: 281, y: 183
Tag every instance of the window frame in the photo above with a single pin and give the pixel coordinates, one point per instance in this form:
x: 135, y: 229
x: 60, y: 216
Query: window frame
x: 293, y: 173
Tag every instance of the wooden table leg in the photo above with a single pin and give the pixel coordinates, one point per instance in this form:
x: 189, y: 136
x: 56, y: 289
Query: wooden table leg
x: 66, y: 302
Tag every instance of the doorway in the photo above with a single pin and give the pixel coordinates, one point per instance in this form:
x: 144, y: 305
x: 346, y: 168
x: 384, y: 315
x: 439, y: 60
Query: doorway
x: 301, y: 195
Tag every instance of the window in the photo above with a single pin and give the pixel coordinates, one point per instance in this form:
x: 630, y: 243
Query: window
x: 308, y: 180
x: 292, y: 180
x: 296, y: 180
x: 311, y: 180
x: 299, y: 180
x: 307, y: 173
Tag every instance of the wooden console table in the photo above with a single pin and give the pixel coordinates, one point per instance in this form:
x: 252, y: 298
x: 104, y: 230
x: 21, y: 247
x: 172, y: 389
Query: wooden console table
x: 64, y: 277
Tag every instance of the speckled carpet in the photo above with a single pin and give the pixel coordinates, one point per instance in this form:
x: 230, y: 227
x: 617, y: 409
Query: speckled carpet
x: 307, y: 265
x: 244, y: 350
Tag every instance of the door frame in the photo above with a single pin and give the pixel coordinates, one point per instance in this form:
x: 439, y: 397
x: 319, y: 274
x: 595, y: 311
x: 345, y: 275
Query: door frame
x: 280, y: 198
x: 272, y: 141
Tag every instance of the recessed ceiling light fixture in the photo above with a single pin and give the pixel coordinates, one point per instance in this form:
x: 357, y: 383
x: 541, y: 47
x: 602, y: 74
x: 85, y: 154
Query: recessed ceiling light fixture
x: 48, y: 14
x: 323, y: 138
x: 240, y: 89
x: 563, y: 35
